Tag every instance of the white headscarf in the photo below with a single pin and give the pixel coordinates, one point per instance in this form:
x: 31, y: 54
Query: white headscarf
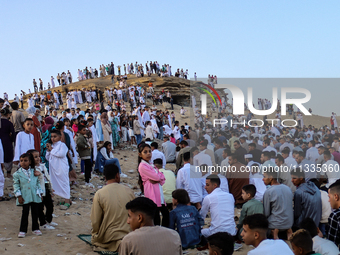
x: 109, y: 116
x: 31, y: 111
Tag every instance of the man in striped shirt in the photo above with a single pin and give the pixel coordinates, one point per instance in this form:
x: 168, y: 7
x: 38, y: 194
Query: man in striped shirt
x: 334, y: 217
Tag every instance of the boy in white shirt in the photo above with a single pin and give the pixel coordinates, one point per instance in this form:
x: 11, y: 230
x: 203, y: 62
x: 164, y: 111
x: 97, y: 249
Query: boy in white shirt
x: 176, y: 131
x: 221, y: 207
x: 320, y: 245
x: 254, y: 233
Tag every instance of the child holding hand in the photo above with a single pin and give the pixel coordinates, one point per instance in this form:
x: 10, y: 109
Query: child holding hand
x: 28, y: 193
x: 45, y: 219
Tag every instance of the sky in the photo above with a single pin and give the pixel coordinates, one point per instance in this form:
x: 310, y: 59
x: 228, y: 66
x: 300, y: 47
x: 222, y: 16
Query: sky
x: 230, y: 39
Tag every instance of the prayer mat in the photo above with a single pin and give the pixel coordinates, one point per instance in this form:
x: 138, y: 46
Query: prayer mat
x: 193, y: 247
x: 87, y: 239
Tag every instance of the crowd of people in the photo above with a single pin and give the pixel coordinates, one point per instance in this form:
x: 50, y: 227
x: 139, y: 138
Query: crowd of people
x: 284, y: 181
x: 152, y: 67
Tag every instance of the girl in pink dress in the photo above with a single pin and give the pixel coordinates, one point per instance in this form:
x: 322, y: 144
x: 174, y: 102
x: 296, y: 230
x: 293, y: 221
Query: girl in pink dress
x: 151, y: 181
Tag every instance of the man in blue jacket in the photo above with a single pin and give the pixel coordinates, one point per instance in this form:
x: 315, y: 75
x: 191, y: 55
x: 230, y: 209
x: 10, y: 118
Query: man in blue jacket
x: 307, y: 199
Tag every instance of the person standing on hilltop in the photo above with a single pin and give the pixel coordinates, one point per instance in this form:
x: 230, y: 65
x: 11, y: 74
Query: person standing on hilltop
x: 136, y: 67
x: 69, y: 76
x: 52, y: 82
x: 35, y: 86
x: 333, y: 119
x: 41, y: 84
x: 59, y: 79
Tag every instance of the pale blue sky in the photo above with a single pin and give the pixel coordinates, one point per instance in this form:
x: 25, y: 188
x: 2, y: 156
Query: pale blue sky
x: 227, y: 38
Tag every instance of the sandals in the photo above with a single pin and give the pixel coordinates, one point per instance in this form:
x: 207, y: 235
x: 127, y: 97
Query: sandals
x: 65, y: 206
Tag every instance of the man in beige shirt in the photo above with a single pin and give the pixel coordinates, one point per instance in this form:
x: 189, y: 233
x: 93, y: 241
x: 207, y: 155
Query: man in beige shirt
x: 231, y: 141
x: 147, y: 238
x: 108, y: 214
x: 17, y: 118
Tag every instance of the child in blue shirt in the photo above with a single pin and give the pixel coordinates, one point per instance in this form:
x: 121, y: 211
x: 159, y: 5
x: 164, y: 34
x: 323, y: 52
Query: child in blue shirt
x: 185, y: 219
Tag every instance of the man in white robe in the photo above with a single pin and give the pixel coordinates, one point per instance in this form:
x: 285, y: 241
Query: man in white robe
x: 140, y: 121
x: 30, y: 102
x: 193, y: 101
x: 334, y: 120
x: 146, y: 115
x: 80, y: 75
x: 93, y: 94
x: 56, y: 98
x: 80, y: 98
x: 52, y: 82
x: 59, y: 169
x: 95, y: 140
x: 68, y: 101
x: 154, y: 126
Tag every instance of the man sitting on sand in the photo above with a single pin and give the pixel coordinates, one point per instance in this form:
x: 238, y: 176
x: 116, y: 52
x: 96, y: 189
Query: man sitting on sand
x: 147, y: 238
x: 254, y: 233
x: 108, y: 214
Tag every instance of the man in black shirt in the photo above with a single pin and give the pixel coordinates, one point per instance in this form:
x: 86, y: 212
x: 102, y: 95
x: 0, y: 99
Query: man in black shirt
x: 255, y: 152
x: 159, y: 117
x: 240, y: 152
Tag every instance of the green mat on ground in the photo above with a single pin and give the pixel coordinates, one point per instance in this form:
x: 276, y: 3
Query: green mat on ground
x: 193, y: 247
x: 87, y: 239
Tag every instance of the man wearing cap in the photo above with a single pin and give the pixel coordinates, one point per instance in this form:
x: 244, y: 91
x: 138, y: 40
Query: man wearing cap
x: 255, y: 177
